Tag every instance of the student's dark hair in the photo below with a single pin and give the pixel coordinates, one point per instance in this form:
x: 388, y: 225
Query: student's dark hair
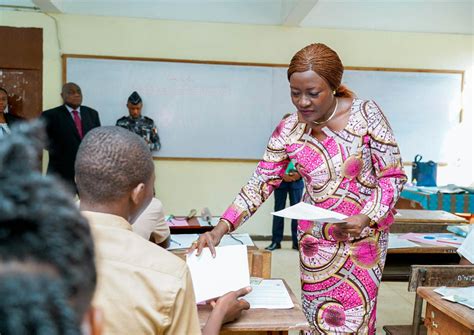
x: 111, y: 161
x: 39, y: 221
x: 4, y: 90
x: 34, y: 301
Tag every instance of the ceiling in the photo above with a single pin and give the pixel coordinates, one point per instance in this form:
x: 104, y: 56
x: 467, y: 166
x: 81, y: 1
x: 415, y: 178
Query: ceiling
x: 430, y: 16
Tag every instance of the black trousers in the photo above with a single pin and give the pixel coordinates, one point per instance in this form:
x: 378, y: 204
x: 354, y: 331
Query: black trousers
x: 281, y: 194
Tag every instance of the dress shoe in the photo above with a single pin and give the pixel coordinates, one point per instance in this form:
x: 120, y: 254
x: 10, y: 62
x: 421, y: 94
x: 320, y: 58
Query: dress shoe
x: 273, y: 246
x: 295, y: 247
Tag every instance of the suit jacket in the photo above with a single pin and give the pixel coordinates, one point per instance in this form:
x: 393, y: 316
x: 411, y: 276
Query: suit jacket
x: 11, y: 119
x: 64, y: 140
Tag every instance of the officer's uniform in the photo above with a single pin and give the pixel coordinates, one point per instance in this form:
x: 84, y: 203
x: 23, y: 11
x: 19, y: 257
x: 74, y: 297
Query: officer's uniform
x: 143, y: 127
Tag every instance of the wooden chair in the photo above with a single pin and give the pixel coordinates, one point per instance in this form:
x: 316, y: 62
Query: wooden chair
x: 432, y: 276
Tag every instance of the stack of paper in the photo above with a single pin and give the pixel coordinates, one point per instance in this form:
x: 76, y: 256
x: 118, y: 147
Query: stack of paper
x: 269, y: 293
x: 183, y: 241
x: 460, y: 295
x: 304, y: 211
x: 214, y: 277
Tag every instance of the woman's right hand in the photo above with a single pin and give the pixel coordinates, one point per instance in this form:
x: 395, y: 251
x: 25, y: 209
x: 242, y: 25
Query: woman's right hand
x: 209, y: 239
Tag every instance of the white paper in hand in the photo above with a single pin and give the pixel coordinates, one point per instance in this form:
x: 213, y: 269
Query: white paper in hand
x: 304, y: 211
x: 214, y: 277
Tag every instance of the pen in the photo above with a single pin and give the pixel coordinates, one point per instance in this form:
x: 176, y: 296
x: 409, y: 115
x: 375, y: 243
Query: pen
x: 176, y: 242
x: 450, y: 242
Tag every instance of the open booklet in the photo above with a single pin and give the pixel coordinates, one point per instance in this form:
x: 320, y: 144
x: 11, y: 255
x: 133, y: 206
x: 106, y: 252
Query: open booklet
x: 304, y: 211
x: 269, y: 293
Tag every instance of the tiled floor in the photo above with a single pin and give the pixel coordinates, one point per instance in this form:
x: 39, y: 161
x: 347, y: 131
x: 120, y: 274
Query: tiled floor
x: 395, y: 303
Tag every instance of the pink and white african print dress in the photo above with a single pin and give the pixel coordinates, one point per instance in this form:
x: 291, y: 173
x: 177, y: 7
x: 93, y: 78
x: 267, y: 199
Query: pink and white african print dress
x: 355, y: 170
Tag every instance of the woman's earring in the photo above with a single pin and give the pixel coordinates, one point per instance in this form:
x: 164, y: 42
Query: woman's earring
x: 334, y: 92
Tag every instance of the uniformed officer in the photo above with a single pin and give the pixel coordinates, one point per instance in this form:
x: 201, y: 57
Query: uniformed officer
x: 141, y: 125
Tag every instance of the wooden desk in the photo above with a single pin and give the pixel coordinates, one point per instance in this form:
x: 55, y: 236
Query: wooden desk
x: 399, y: 261
x: 424, y: 221
x: 423, y: 248
x: 193, y: 226
x: 263, y: 321
x: 445, y: 317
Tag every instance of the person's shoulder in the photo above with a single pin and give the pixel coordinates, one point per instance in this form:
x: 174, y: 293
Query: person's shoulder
x: 123, y: 119
x: 286, y: 126
x: 367, y: 107
x: 159, y: 260
x: 148, y: 120
x: 54, y: 110
x: 156, y: 203
x: 88, y: 109
x: 10, y: 118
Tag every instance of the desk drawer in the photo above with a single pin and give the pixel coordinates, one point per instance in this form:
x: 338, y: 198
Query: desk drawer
x: 438, y: 323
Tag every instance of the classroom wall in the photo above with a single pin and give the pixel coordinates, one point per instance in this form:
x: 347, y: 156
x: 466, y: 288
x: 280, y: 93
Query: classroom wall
x: 183, y: 185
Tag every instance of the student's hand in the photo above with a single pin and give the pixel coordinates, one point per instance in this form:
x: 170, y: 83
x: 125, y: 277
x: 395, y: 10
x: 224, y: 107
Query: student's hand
x: 353, y: 225
x: 230, y: 305
x: 226, y: 309
x: 209, y: 239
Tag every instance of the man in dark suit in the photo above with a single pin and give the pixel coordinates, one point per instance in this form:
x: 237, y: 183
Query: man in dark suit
x: 66, y: 125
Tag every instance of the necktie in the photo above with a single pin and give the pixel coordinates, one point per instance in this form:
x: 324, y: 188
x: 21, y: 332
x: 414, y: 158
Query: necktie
x: 77, y: 121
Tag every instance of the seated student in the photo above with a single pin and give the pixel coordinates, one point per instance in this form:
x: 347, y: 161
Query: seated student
x: 151, y: 224
x: 47, y: 270
x: 466, y: 250
x: 143, y: 288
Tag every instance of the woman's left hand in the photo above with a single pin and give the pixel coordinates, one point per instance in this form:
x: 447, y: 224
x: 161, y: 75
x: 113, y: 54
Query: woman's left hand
x: 353, y: 225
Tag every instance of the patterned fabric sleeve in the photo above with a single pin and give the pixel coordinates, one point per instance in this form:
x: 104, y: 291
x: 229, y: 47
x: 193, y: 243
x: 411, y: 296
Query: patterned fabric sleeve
x: 267, y: 177
x: 387, y: 164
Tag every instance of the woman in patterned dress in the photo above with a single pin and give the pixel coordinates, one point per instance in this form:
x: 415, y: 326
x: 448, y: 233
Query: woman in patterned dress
x: 346, y: 153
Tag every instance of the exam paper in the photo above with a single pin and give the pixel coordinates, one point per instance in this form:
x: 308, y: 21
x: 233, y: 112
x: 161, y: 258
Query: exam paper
x: 304, y: 211
x: 183, y: 241
x: 436, y: 239
x: 271, y: 293
x: 236, y: 239
x: 395, y: 242
x: 214, y: 277
x: 460, y: 295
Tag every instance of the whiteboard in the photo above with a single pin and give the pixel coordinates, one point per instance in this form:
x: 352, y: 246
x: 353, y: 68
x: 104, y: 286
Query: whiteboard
x: 229, y: 111
x: 422, y: 107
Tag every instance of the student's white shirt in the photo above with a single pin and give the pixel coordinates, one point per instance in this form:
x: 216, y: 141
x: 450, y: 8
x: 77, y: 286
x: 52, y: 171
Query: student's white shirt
x: 151, y: 223
x: 466, y: 250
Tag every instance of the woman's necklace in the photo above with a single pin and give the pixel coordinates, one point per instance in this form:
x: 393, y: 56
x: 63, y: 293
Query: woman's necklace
x: 330, y: 117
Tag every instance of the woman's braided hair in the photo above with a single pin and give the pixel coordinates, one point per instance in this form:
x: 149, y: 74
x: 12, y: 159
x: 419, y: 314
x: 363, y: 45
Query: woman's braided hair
x: 325, y: 62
